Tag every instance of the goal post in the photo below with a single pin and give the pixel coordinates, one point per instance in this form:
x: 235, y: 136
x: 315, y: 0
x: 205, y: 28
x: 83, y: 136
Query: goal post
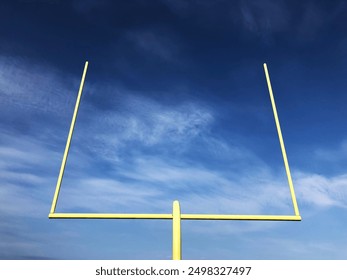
x: 176, y: 216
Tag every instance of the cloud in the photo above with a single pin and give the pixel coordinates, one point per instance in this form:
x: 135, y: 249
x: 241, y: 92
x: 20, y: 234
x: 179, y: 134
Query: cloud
x: 93, y: 194
x: 295, y: 248
x: 303, y: 22
x: 151, y: 123
x: 32, y: 88
x: 25, y: 175
x: 149, y: 184
x: 153, y: 183
x: 157, y: 43
x: 332, y: 155
x: 320, y: 191
x: 265, y: 17
x: 140, y: 124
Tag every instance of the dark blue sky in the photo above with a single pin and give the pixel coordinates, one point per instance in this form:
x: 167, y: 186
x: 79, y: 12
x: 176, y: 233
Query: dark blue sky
x: 175, y: 106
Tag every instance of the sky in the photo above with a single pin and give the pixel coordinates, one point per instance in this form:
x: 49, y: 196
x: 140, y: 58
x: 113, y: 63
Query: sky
x: 175, y: 107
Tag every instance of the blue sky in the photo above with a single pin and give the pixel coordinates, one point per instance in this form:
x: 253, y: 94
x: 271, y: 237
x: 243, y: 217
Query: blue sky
x: 175, y: 106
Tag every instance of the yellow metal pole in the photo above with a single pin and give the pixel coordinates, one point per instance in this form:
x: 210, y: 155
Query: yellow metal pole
x: 284, y: 154
x: 169, y: 216
x: 176, y: 231
x: 240, y: 217
x: 68, y: 141
x: 109, y: 216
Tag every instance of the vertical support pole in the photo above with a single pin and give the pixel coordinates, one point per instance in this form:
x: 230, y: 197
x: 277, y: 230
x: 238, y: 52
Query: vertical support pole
x: 176, y: 231
x: 283, y: 149
x: 68, y: 141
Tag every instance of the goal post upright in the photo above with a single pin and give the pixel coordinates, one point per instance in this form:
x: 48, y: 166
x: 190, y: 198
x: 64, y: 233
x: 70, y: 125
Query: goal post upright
x: 68, y: 141
x: 280, y: 137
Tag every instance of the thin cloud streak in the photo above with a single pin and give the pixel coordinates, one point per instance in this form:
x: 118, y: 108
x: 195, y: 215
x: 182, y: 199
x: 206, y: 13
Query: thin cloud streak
x: 31, y: 87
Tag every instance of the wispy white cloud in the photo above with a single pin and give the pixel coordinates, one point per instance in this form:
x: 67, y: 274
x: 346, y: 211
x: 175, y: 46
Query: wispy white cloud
x: 29, y: 87
x: 332, y: 155
x: 321, y: 191
x: 296, y: 248
x: 26, y: 174
x: 153, y: 123
x: 93, y: 194
x: 150, y: 184
x: 265, y: 17
x: 141, y: 123
x: 156, y: 183
x: 155, y: 43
